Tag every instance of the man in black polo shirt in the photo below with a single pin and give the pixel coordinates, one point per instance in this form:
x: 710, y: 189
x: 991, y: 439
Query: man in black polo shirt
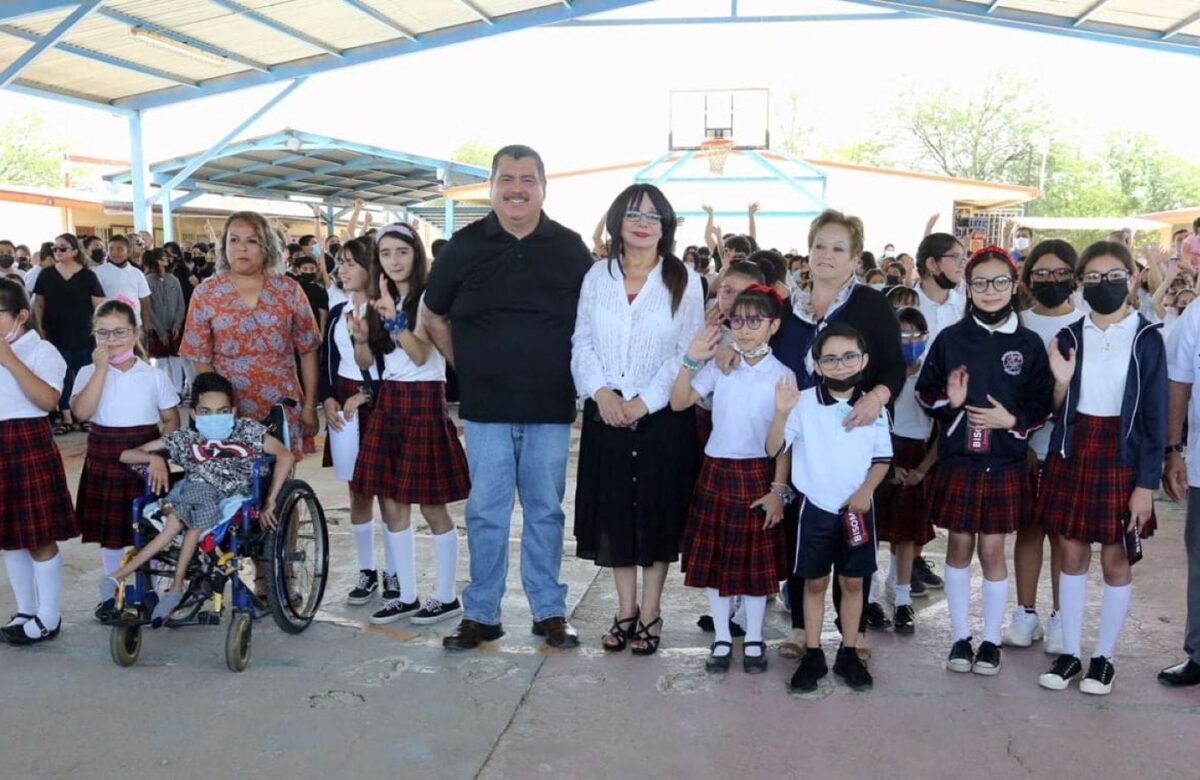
x: 500, y: 305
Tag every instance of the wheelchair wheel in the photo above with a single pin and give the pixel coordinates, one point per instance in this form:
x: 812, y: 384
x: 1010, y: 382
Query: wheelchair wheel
x: 297, y: 554
x: 125, y: 644
x: 238, y: 642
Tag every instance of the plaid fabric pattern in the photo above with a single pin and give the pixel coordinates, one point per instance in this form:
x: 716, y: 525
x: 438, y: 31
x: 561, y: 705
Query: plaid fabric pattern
x: 901, y: 512
x: 726, y: 546
x: 979, y: 502
x: 35, y: 503
x: 341, y: 391
x: 1087, y: 496
x: 410, y: 451
x: 107, y: 488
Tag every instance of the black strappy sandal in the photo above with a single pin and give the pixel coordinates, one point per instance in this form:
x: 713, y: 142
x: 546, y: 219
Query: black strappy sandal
x: 719, y: 664
x: 754, y: 664
x: 621, y: 630
x: 16, y: 634
x: 643, y: 635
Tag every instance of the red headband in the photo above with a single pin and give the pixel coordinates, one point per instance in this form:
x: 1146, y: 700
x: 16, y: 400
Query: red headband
x: 991, y: 249
x: 765, y: 290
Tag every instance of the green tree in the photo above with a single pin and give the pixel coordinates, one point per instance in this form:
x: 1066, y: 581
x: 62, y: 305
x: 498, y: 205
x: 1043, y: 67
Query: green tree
x: 475, y: 152
x: 796, y: 137
x: 1149, y: 177
x: 27, y: 156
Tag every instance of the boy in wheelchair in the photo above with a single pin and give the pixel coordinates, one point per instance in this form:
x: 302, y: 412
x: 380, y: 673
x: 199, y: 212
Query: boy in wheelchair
x: 217, y: 458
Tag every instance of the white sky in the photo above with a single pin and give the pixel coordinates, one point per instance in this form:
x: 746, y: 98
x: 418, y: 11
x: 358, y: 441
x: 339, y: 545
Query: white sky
x: 589, y: 96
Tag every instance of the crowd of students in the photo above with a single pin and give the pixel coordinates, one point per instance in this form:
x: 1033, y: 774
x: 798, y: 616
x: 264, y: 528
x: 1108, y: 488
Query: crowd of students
x: 766, y: 419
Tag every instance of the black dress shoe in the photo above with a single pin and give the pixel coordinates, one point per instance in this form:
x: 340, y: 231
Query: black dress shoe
x: 558, y: 632
x: 1181, y: 675
x: 470, y: 635
x: 15, y: 635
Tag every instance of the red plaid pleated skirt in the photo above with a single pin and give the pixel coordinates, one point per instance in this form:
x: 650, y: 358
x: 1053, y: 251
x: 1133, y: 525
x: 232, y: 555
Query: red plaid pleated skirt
x: 341, y: 391
x: 35, y: 503
x: 108, y: 488
x: 410, y: 451
x: 727, y: 548
x: 975, y: 501
x: 902, y: 512
x: 1086, y: 496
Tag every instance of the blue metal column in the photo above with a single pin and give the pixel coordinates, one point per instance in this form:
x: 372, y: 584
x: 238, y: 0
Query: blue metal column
x: 168, y: 219
x: 449, y: 213
x: 330, y: 227
x: 141, y: 174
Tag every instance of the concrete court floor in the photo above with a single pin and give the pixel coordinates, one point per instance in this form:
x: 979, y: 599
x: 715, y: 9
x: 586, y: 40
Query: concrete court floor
x: 346, y: 699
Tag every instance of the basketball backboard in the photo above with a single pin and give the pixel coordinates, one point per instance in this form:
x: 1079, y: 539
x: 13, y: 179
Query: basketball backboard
x: 742, y: 115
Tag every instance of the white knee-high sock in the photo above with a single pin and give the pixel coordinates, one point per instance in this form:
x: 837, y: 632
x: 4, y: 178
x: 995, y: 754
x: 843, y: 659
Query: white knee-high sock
x: 720, y: 607
x: 19, y: 566
x: 364, y: 542
x: 891, y: 575
x: 995, y: 600
x: 111, y: 559
x: 445, y: 549
x: 904, y: 595
x: 389, y: 561
x: 403, y: 547
x: 958, y: 599
x: 1072, y: 598
x: 756, y: 611
x: 48, y: 576
x: 1113, y: 609
x: 873, y: 593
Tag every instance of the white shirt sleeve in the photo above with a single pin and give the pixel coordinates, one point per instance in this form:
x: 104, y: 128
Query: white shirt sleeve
x: 793, y: 433
x: 705, y: 380
x: 48, y: 365
x: 1181, y: 348
x: 585, y: 363
x: 168, y: 398
x: 883, y: 439
x: 81, y: 379
x: 691, y: 315
x: 143, y: 287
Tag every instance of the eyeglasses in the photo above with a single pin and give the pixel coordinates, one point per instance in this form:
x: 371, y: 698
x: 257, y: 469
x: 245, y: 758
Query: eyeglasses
x: 62, y: 249
x: 116, y: 334
x: 999, y: 284
x: 753, y: 322
x: 959, y: 260
x: 1093, y: 278
x: 911, y: 337
x: 850, y: 360
x: 1046, y: 274
x: 637, y: 216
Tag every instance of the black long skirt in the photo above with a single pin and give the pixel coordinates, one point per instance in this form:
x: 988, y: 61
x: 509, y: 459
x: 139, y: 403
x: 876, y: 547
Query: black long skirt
x: 633, y: 488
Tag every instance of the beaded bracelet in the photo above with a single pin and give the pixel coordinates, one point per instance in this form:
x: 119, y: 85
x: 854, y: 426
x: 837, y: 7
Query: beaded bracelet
x: 692, y: 365
x: 395, y: 325
x: 783, y: 492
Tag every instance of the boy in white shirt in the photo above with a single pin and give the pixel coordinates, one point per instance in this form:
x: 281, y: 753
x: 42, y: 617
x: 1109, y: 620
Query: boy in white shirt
x: 122, y: 279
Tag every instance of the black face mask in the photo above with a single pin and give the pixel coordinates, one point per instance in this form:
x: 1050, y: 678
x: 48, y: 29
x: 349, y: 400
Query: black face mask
x: 97, y: 256
x: 992, y: 317
x: 1052, y: 294
x: 943, y: 281
x: 1106, y: 297
x: 334, y: 249
x: 894, y: 280
x: 6, y: 261
x: 843, y: 385
x: 308, y: 278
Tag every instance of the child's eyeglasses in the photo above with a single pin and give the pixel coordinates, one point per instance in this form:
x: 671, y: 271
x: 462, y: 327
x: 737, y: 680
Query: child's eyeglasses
x: 911, y: 337
x: 753, y: 322
x: 1095, y: 277
x: 850, y: 360
x: 112, y: 335
x: 999, y: 284
x: 1046, y: 274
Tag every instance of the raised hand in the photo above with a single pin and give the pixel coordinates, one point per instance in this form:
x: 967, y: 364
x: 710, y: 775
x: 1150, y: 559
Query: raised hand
x: 753, y: 208
x: 359, y: 332
x: 787, y: 393
x: 707, y: 209
x: 704, y: 345
x: 385, y: 304
x: 956, y: 386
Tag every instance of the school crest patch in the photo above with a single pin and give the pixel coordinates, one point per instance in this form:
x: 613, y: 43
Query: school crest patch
x: 1013, y: 361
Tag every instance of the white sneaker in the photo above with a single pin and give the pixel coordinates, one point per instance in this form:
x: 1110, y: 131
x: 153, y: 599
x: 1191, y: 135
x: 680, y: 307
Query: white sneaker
x: 1054, y: 635
x: 1024, y: 628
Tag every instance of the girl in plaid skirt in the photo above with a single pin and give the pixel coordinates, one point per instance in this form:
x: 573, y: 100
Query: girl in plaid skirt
x: 1110, y: 390
x: 734, y: 546
x: 35, y: 504
x: 410, y: 453
x: 125, y: 399
x: 987, y: 383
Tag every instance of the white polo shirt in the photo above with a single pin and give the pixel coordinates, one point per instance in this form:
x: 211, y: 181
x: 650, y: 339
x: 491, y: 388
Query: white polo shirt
x: 829, y: 463
x: 911, y: 422
x: 1047, y: 328
x: 940, y: 315
x: 1106, y: 355
x: 743, y: 404
x: 129, y: 398
x: 1183, y: 365
x: 127, y: 281
x: 43, y: 360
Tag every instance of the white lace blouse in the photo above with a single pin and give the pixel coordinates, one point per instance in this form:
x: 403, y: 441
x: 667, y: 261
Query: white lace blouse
x: 634, y: 348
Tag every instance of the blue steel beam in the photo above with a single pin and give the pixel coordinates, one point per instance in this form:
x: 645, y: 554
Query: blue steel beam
x: 1046, y: 23
x: 137, y: 159
x: 277, y: 26
x: 278, y: 162
x: 1188, y: 22
x: 183, y: 200
x: 761, y: 19
x: 48, y: 41
x: 402, y: 157
x: 107, y: 59
x: 84, y: 101
x: 186, y: 40
x: 323, y: 170
x: 995, y: 4
x: 781, y: 175
x: 1091, y: 11
x: 360, y: 55
x: 12, y: 10
x: 381, y: 18
x: 195, y: 163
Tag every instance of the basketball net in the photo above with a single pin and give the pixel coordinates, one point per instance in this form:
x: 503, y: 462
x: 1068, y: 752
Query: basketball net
x: 716, y: 150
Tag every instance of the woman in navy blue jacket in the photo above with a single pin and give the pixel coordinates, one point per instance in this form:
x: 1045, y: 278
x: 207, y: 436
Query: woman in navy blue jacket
x: 1110, y: 393
x: 987, y: 384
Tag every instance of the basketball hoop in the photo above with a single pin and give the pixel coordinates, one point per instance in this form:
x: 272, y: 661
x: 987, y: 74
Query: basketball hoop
x: 717, y: 151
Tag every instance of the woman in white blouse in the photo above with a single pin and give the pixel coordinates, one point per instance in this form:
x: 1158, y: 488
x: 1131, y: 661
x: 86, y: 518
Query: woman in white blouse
x: 638, y: 312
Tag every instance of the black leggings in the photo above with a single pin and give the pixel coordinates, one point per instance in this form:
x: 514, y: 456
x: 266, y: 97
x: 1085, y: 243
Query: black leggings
x: 795, y: 585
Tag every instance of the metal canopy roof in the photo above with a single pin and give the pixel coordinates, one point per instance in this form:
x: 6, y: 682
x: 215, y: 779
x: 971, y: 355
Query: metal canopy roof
x: 129, y: 55
x: 316, y: 168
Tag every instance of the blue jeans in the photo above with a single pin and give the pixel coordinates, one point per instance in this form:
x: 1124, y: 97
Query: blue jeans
x: 529, y: 460
x: 75, y: 360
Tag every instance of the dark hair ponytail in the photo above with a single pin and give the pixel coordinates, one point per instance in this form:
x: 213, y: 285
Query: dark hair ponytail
x: 674, y: 273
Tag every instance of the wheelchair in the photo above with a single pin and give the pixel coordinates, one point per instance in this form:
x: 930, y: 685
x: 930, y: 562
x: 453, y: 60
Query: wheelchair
x: 292, y: 562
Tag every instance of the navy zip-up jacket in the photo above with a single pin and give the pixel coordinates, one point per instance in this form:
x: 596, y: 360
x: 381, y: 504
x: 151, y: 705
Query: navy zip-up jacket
x: 1010, y: 367
x: 1143, y: 408
x: 331, y: 358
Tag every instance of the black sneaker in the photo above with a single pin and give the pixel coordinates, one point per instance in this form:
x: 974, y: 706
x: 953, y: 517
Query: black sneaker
x: 902, y: 619
x: 435, y: 611
x: 987, y: 660
x: 812, y: 668
x: 916, y: 588
x: 395, y: 610
x: 391, y: 587
x: 962, y: 657
x: 876, y: 618
x: 923, y: 572
x: 1064, y: 669
x: 1099, y: 678
x: 368, y: 583
x: 852, y: 670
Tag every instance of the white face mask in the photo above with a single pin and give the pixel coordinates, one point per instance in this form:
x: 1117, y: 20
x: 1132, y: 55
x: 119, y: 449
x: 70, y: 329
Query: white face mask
x: 1022, y: 243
